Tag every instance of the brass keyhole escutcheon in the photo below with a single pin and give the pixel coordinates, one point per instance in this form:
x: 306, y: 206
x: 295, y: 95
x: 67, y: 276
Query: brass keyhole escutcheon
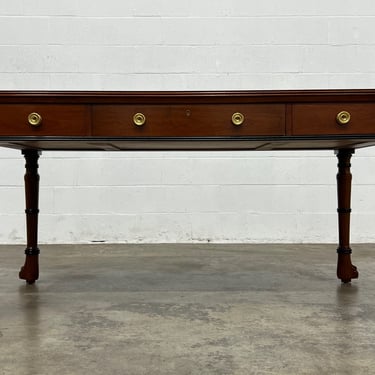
x: 139, y: 119
x: 34, y: 119
x: 343, y: 118
x: 238, y: 118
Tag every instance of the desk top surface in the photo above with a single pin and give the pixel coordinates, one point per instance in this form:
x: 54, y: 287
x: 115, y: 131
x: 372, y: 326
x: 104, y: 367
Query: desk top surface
x: 187, y: 120
x: 229, y: 96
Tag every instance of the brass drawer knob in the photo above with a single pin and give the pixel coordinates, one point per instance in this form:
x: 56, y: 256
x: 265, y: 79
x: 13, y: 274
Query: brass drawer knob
x: 343, y: 118
x: 139, y: 119
x: 238, y: 118
x: 34, y: 119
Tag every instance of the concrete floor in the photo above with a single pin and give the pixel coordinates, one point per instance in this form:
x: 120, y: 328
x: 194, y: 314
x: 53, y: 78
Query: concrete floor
x: 187, y: 309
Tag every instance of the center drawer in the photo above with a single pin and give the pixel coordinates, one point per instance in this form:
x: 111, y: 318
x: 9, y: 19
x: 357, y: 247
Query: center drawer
x: 188, y: 120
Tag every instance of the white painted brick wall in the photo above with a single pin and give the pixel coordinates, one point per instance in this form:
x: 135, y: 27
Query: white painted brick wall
x: 191, y: 45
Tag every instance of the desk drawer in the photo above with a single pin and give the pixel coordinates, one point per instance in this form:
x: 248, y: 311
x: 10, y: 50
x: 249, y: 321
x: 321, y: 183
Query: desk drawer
x: 64, y: 120
x: 340, y: 118
x: 194, y: 120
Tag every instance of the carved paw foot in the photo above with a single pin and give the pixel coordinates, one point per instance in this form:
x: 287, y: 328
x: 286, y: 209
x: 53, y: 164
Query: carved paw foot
x: 346, y: 271
x: 30, y: 271
x: 354, y: 275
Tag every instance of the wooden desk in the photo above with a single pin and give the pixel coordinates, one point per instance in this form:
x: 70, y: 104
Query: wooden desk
x: 340, y: 120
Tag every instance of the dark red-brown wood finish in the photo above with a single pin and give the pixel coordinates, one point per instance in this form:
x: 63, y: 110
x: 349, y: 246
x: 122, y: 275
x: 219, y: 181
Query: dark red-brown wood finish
x: 30, y: 271
x: 345, y: 270
x: 273, y: 120
x: 340, y: 120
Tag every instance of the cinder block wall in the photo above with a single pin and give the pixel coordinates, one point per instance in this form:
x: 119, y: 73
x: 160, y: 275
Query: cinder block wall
x: 194, y: 45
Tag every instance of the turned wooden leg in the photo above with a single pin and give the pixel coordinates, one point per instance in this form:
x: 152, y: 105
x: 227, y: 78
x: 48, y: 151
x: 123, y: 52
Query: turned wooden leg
x: 30, y: 271
x: 345, y: 269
